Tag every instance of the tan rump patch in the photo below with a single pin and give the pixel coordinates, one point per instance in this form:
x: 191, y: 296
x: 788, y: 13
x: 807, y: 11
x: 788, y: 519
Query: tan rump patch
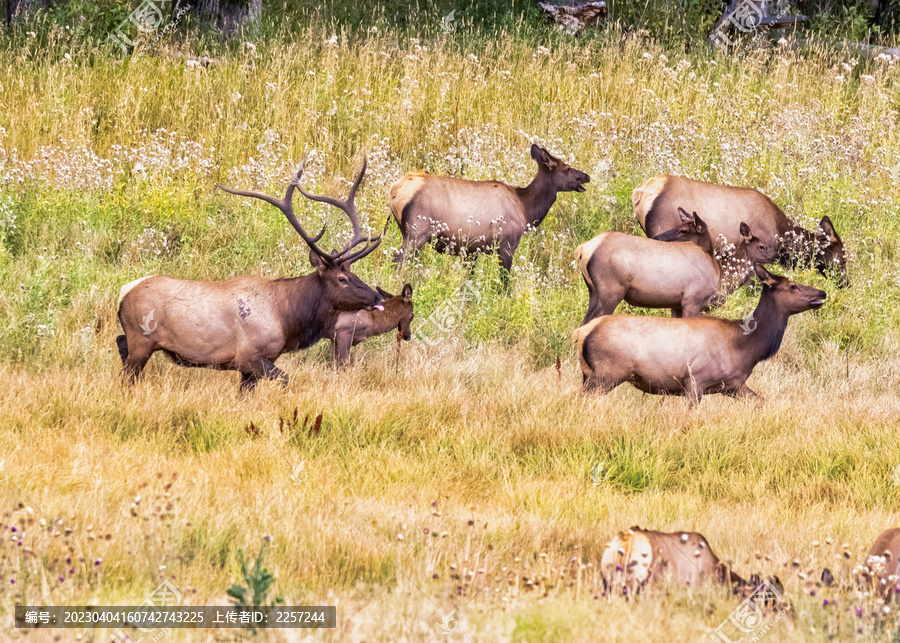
x: 127, y: 287
x: 643, y: 197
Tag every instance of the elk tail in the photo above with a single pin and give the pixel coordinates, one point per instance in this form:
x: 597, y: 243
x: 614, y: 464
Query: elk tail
x: 122, y: 343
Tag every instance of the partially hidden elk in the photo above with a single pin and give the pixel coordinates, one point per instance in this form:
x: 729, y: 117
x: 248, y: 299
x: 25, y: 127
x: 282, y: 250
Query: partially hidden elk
x: 678, y: 269
x: 470, y: 217
x: 638, y: 557
x: 883, y: 564
x: 691, y: 357
x: 245, y: 323
x: 356, y: 327
x: 724, y: 207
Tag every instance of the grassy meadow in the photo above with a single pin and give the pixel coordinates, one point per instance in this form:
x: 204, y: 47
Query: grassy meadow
x: 462, y: 482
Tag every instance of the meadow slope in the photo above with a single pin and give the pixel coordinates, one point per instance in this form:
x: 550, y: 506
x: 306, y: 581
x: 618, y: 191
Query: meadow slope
x: 464, y: 475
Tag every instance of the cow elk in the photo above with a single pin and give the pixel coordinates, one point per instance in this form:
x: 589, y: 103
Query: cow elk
x: 471, y: 217
x: 245, y: 323
x: 677, y: 270
x: 725, y: 207
x: 691, y: 357
x: 638, y: 557
x: 356, y: 327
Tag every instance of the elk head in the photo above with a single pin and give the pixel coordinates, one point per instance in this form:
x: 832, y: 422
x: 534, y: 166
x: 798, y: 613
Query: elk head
x: 757, y: 251
x: 831, y: 257
x: 692, y: 229
x: 404, y: 311
x: 565, y: 177
x: 791, y: 297
x: 343, y: 289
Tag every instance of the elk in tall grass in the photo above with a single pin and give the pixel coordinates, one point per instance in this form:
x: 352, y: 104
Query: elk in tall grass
x: 356, y: 327
x: 245, y: 323
x: 678, y: 269
x: 725, y: 207
x: 691, y: 357
x: 470, y: 217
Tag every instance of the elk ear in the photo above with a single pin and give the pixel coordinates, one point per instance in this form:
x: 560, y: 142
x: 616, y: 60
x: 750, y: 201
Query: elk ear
x: 699, y: 223
x: 317, y: 262
x: 766, y: 277
x: 542, y: 157
x: 685, y: 215
x: 745, y: 232
x: 384, y: 293
x: 828, y: 228
x: 407, y: 292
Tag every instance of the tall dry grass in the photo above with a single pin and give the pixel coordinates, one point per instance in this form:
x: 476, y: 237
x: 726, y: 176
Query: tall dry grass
x: 502, y: 480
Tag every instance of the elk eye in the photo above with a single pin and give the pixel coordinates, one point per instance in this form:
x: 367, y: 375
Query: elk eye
x: 343, y: 280
x: 794, y: 287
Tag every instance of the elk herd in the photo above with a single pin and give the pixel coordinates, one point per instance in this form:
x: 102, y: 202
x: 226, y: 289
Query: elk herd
x: 703, y: 242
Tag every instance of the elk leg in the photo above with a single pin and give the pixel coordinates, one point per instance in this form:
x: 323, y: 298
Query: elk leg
x: 340, y: 351
x: 676, y: 313
x: 248, y: 382
x: 410, y: 246
x: 262, y: 368
x: 596, y: 384
x: 134, y: 363
x: 744, y: 392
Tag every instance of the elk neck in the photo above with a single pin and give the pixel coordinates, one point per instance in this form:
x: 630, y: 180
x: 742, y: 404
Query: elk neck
x: 537, y: 198
x: 771, y: 321
x: 387, y: 319
x: 798, y: 246
x: 308, y: 316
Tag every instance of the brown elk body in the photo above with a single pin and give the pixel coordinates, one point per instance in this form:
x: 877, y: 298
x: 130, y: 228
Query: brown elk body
x: 883, y: 562
x: 677, y: 270
x: 470, y: 217
x: 691, y: 357
x: 356, y: 327
x: 724, y: 207
x: 638, y: 557
x: 246, y: 323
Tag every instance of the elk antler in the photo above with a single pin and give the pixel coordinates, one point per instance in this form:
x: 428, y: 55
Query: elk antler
x: 349, y: 208
x: 287, y: 208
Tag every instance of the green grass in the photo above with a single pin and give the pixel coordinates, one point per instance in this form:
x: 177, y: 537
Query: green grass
x: 479, y: 452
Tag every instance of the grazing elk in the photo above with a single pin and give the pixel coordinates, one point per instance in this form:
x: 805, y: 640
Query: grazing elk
x: 691, y: 357
x: 639, y: 557
x: 683, y: 274
x: 469, y: 217
x: 245, y: 323
x: 724, y: 207
x: 356, y: 327
x: 883, y: 563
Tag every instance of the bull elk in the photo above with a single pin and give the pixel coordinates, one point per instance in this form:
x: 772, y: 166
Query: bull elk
x: 356, y: 327
x: 657, y: 201
x: 245, y: 323
x: 678, y: 270
x: 638, y: 557
x: 691, y: 357
x: 470, y: 217
x: 883, y: 563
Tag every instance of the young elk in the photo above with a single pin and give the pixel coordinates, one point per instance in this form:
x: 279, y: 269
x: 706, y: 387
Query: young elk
x: 354, y: 328
x: 677, y: 270
x: 691, y: 357
x: 657, y: 202
x: 638, y: 557
x: 245, y: 323
x: 469, y: 217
